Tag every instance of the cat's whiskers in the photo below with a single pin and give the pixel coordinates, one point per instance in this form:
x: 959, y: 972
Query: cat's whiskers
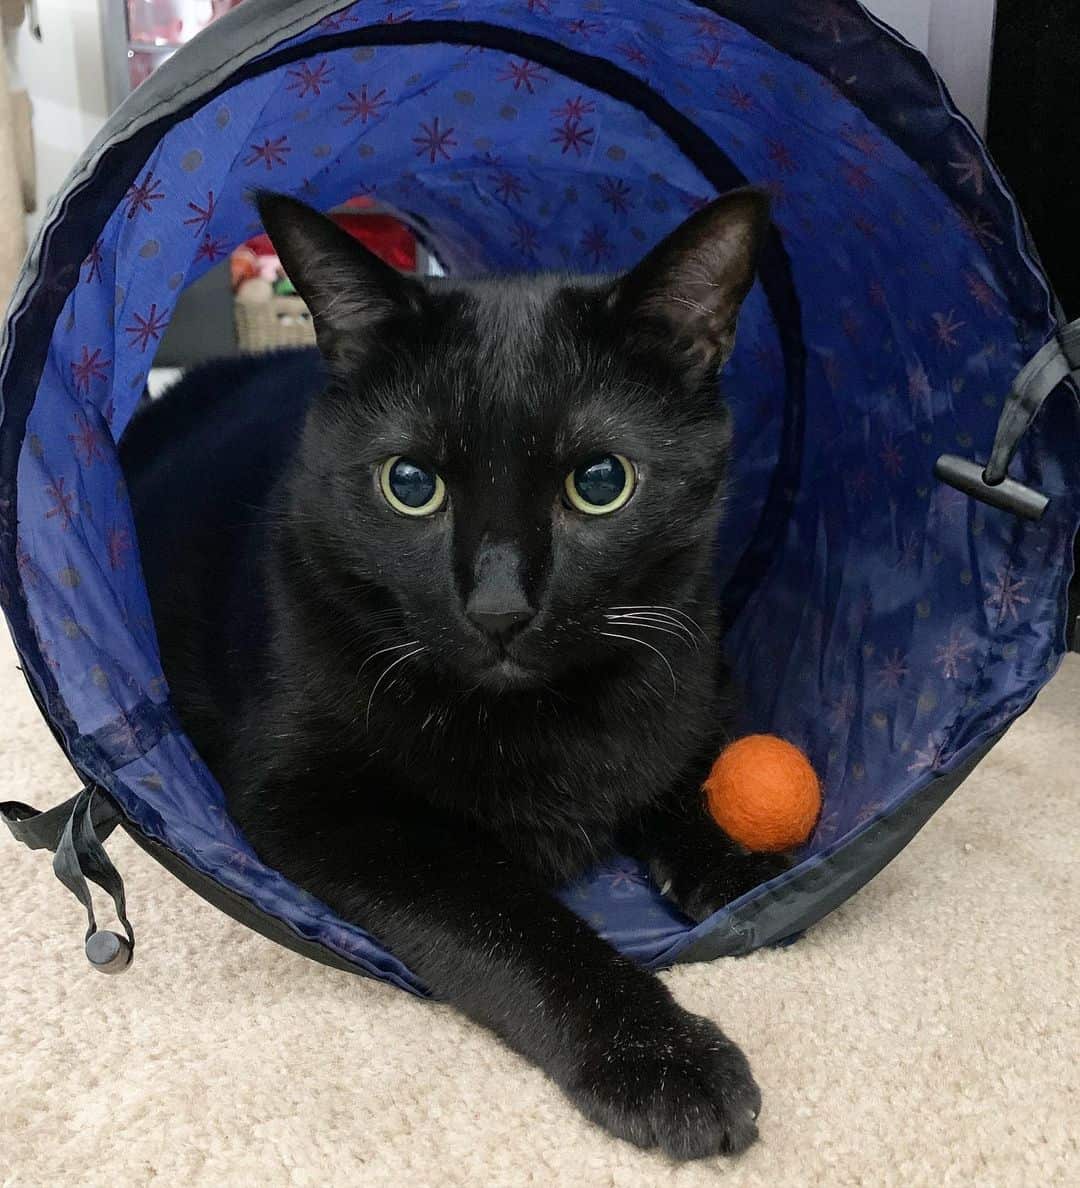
x: 671, y: 626
x: 383, y: 675
x: 672, y: 610
x: 382, y: 652
x: 634, y: 639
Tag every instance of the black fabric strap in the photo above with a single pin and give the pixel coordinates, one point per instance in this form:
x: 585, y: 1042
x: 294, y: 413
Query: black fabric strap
x: 74, y: 832
x: 43, y: 830
x: 1057, y: 361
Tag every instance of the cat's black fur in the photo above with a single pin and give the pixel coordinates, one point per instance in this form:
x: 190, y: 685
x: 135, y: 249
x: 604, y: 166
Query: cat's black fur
x: 436, y: 797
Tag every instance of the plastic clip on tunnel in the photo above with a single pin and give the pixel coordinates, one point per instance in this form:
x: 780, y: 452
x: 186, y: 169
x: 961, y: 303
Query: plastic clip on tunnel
x: 886, y: 621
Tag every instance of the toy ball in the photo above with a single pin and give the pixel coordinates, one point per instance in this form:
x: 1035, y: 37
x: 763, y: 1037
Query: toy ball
x: 763, y: 793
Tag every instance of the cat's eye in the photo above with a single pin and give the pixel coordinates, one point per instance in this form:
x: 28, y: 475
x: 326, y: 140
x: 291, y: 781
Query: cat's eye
x: 601, y: 486
x: 410, y: 488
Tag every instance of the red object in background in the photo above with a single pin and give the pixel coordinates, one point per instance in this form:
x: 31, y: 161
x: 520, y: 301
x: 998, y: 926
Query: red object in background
x: 382, y: 234
x: 388, y: 238
x: 170, y: 23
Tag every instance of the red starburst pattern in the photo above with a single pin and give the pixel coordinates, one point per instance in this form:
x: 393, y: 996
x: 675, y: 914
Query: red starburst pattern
x: 508, y: 186
x: 362, y: 106
x: 738, y: 98
x: 979, y: 228
x: 953, y: 653
x: 571, y: 135
x: 865, y: 142
x: 946, y: 327
x: 117, y: 546
x: 336, y: 21
x: 574, y: 109
x: 983, y: 294
x: 918, y: 382
x: 434, y: 141
x: 616, y: 193
x: 970, y: 170
x: 623, y: 878
x: 212, y: 249
x: 89, y: 368
x: 62, y: 501
x: 142, y: 195
x: 539, y: 6
x: 583, y: 28
x: 306, y: 81
x: 523, y: 75
x: 710, y: 54
x: 271, y: 152
x: 524, y: 239
x: 780, y: 155
x: 857, y: 177
x: 704, y: 26
x: 200, y: 219
x: 891, y: 458
x: 1004, y: 595
x: 87, y: 441
x: 146, y: 330
x: 93, y: 263
x: 25, y: 564
x: 892, y: 671
x: 594, y: 243
x: 909, y: 551
x: 632, y: 53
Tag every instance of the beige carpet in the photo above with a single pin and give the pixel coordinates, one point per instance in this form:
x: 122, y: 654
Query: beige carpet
x: 927, y: 1033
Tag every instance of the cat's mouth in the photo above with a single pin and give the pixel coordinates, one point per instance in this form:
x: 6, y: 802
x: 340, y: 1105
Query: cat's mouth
x: 506, y: 674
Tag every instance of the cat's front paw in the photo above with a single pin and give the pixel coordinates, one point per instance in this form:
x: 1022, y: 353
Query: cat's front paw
x: 699, y: 893
x: 674, y: 1082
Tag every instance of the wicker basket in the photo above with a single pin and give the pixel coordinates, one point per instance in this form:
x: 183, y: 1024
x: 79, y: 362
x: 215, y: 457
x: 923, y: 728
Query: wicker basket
x: 272, y: 324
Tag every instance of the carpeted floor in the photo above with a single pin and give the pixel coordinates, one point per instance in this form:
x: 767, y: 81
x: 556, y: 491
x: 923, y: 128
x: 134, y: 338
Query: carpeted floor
x: 928, y: 1033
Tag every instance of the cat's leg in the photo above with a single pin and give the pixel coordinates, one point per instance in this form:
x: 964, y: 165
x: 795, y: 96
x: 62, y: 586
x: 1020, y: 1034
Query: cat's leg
x: 691, y: 859
x: 494, y: 941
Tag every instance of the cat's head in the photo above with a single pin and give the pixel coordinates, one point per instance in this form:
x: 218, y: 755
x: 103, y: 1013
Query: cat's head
x: 510, y: 467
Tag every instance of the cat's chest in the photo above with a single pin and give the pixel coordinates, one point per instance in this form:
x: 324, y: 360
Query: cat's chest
x: 549, y: 765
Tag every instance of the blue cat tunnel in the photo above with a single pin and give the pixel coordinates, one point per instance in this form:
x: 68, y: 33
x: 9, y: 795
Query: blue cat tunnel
x: 888, y: 622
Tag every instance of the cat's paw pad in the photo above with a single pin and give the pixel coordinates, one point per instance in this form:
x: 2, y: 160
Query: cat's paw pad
x: 700, y: 893
x: 677, y: 1083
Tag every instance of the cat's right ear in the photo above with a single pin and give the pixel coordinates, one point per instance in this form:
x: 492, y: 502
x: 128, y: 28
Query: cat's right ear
x: 349, y: 291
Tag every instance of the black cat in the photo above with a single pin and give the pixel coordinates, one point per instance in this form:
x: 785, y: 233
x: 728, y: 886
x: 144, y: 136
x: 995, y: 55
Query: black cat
x: 447, y: 637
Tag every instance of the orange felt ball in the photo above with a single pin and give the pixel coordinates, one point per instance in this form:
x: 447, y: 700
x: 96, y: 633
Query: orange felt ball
x: 763, y: 792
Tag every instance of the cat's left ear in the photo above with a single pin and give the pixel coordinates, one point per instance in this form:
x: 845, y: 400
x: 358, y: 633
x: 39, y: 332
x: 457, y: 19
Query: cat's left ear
x: 689, y: 288
x: 350, y: 292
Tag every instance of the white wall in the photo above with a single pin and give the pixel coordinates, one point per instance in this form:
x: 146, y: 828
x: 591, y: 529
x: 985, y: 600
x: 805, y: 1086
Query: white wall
x: 65, y: 76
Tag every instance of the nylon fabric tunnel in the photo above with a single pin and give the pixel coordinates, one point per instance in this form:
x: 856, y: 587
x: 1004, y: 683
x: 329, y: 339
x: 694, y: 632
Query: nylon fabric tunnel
x: 883, y: 621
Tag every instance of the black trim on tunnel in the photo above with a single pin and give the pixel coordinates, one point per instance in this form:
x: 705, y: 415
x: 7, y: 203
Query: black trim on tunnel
x: 86, y: 209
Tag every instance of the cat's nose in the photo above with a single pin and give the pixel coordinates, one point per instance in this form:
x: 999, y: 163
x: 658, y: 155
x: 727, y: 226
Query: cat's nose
x: 502, y: 624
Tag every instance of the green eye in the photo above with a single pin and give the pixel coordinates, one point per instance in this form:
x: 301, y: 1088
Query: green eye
x: 601, y: 486
x: 410, y: 488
